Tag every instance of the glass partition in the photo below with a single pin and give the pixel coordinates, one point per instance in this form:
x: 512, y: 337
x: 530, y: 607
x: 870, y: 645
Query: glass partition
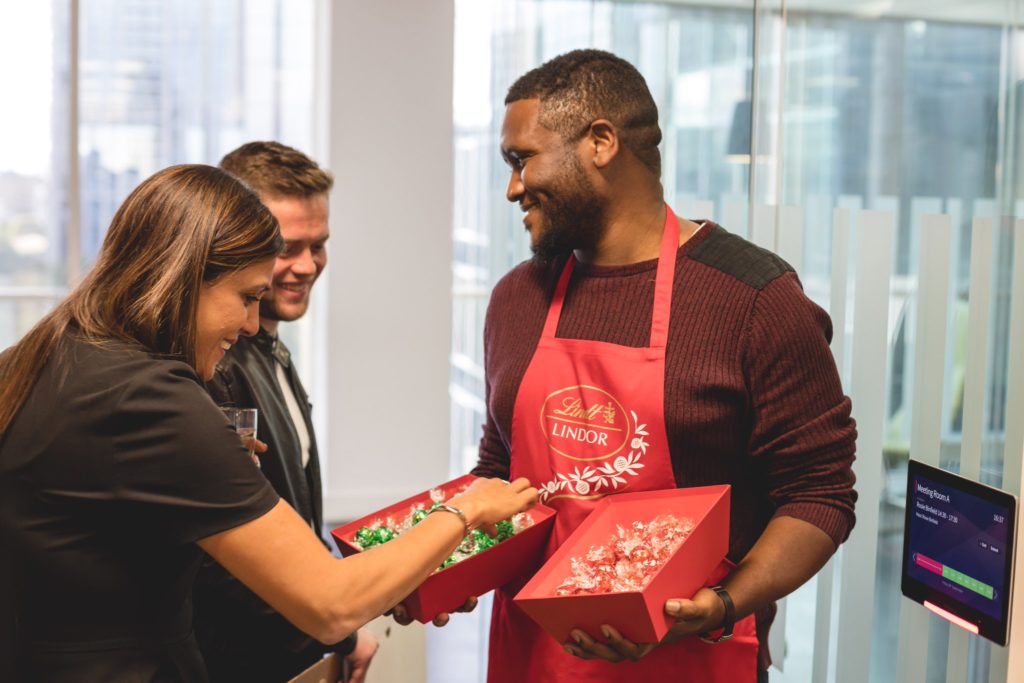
x: 784, y: 124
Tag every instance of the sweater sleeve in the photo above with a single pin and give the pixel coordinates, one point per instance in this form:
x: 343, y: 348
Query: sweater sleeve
x: 803, y: 436
x: 494, y: 459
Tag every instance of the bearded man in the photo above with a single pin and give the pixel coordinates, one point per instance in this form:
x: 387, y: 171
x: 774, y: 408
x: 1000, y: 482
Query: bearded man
x: 711, y: 364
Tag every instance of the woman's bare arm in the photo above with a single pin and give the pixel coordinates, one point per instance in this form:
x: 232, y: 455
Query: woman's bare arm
x: 280, y: 559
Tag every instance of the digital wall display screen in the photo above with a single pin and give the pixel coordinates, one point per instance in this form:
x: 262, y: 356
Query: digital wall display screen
x: 958, y: 548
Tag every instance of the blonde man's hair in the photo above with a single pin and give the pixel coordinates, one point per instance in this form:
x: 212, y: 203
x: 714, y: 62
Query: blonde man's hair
x: 275, y: 170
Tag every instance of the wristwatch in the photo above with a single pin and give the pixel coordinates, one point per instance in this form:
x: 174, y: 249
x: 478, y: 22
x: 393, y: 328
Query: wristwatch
x: 727, y: 621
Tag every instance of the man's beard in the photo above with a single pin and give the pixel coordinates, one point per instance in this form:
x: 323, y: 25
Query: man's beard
x: 269, y: 310
x: 573, y: 217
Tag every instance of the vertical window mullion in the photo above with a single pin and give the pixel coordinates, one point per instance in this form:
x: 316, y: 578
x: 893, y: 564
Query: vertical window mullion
x: 73, y: 242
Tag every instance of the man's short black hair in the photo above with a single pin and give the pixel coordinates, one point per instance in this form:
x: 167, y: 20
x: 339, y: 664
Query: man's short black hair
x: 579, y: 87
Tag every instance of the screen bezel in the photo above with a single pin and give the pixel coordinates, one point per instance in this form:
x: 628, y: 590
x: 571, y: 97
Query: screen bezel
x: 995, y: 630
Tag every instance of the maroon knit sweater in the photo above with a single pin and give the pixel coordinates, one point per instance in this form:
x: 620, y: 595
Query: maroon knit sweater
x: 752, y: 396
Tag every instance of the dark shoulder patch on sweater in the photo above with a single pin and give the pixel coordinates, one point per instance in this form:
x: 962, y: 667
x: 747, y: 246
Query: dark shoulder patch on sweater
x: 739, y: 258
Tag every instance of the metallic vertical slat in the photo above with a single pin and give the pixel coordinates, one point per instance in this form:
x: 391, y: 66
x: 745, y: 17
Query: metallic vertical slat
x: 984, y: 208
x: 755, y: 129
x: 975, y: 381
x: 955, y: 209
x: 924, y: 206
x: 822, y: 621
x: 1007, y: 664
x: 837, y: 311
x: 790, y: 237
x: 875, y: 231
x: 670, y: 134
x: 734, y: 218
x: 978, y: 315
x: 73, y: 266
x: 780, y: 120
x: 926, y: 427
x: 1014, y: 435
x: 920, y: 208
x: 321, y: 116
x: 790, y: 232
x: 956, y: 655
x: 777, y: 636
x: 762, y: 231
x: 837, y: 298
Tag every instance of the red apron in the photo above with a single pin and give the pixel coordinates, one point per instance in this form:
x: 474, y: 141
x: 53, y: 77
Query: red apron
x: 589, y: 422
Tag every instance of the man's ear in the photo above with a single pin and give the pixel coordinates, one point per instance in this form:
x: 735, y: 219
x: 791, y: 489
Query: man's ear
x: 603, y: 141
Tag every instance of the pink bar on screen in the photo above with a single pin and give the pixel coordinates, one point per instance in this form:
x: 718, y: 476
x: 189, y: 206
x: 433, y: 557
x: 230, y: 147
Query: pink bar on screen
x: 928, y: 563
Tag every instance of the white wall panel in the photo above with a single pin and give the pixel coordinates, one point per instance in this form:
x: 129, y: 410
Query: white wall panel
x: 390, y: 276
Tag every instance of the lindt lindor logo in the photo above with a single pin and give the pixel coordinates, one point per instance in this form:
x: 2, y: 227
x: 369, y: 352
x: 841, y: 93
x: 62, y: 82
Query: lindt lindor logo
x: 585, y: 423
x: 572, y: 406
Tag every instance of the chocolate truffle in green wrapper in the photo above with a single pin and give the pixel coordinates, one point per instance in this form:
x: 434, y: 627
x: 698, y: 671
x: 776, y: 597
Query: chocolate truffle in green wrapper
x: 386, y: 529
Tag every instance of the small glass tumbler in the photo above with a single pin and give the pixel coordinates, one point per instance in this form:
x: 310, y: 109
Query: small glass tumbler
x: 244, y: 421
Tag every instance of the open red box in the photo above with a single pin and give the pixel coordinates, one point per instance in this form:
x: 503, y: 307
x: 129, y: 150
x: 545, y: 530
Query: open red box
x: 449, y: 588
x: 638, y: 615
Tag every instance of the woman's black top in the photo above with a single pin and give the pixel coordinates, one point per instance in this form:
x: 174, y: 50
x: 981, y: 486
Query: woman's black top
x: 116, y: 464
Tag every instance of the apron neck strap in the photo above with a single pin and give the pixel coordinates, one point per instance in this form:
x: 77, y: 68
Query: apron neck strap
x: 662, y: 286
x: 664, y: 280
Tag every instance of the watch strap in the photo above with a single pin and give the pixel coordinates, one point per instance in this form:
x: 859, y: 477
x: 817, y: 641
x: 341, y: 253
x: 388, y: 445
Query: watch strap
x: 727, y: 621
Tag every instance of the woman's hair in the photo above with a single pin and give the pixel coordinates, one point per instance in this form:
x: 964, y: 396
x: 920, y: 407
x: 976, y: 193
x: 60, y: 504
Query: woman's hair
x: 183, y: 227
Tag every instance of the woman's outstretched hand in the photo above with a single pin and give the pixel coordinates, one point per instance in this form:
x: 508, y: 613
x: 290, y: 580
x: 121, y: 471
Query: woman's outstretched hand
x: 485, y: 503
x: 488, y: 501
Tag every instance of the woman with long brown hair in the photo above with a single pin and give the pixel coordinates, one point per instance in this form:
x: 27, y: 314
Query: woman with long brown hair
x: 117, y: 470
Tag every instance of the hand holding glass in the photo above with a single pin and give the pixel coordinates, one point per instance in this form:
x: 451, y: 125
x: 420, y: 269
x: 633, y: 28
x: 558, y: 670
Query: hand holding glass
x: 244, y: 421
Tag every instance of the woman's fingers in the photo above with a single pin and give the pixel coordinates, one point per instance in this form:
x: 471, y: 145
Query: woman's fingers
x: 488, y: 501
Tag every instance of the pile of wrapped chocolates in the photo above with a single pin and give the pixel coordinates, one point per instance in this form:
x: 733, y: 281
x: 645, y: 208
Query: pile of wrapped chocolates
x: 384, y: 530
x: 628, y: 560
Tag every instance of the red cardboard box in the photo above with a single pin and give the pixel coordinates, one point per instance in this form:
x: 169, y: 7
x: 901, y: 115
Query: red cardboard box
x: 638, y: 615
x: 451, y: 587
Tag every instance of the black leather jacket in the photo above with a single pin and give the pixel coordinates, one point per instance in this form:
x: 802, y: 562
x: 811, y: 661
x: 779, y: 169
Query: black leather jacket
x: 241, y: 637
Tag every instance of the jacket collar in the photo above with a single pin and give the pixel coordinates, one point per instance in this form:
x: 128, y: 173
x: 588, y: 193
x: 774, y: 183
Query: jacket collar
x: 269, y: 343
